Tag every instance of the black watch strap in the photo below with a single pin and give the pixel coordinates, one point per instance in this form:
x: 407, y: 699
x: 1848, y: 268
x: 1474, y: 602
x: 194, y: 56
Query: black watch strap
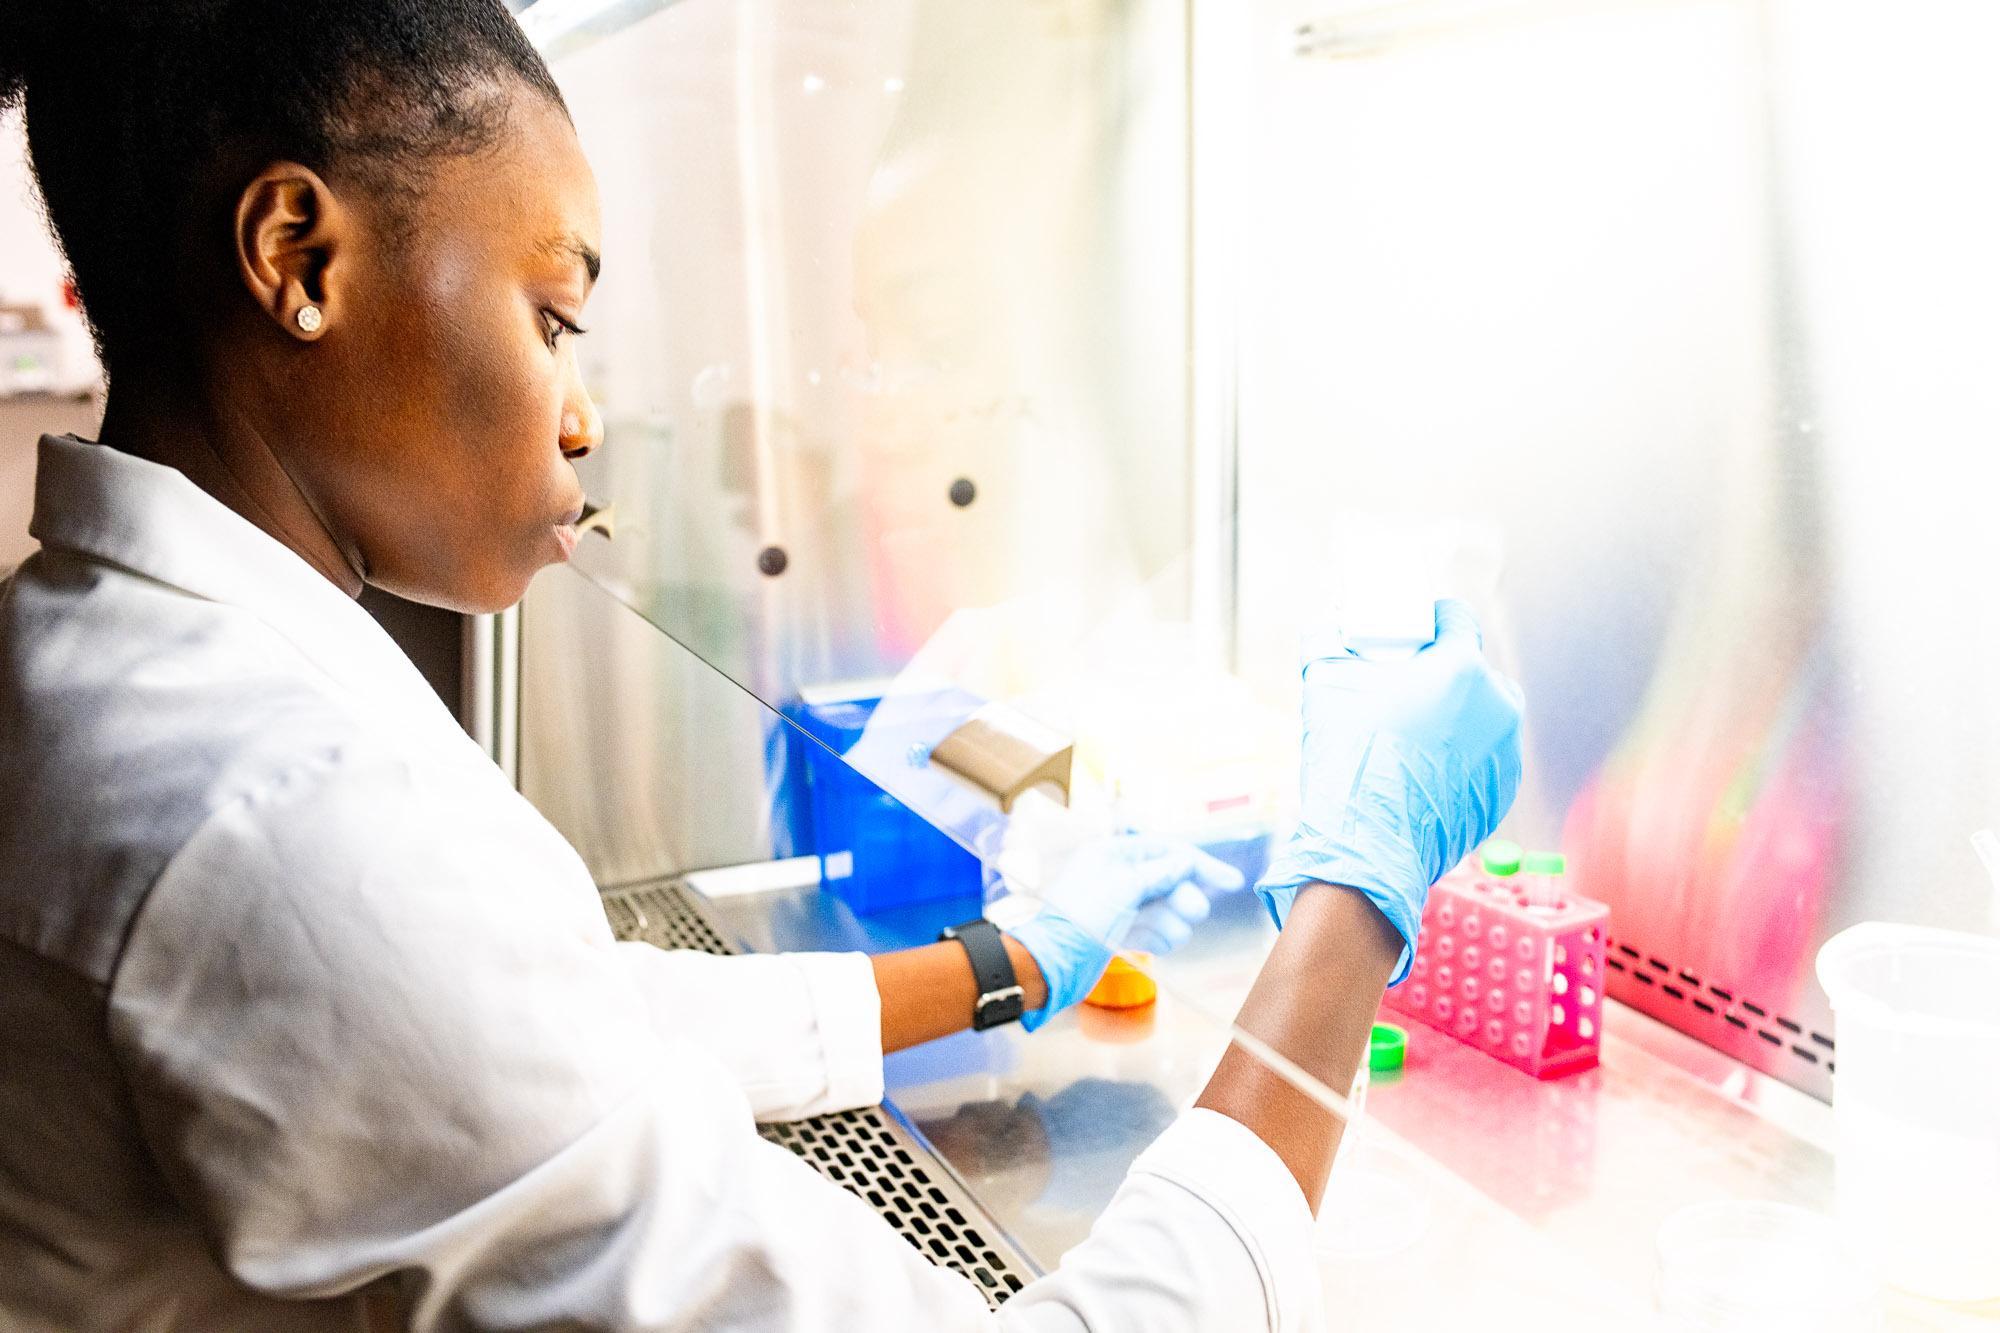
x: 1000, y: 996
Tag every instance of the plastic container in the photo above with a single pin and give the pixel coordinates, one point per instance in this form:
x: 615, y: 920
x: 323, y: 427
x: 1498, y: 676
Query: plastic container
x: 1745, y: 1267
x: 1387, y: 1046
x: 1500, y: 859
x: 1542, y: 874
x: 875, y: 852
x: 1521, y: 980
x: 1916, y: 1100
x: 1124, y: 986
x: 1388, y: 571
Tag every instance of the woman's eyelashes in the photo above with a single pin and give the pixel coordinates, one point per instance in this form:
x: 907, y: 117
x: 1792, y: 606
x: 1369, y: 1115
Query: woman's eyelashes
x: 555, y: 325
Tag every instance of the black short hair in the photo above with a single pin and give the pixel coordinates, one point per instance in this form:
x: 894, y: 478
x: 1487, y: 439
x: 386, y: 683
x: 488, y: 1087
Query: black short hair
x: 130, y: 103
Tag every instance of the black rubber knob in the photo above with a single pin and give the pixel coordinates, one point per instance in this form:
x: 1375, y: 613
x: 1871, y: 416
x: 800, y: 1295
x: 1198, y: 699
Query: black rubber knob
x: 772, y: 560
x: 963, y: 492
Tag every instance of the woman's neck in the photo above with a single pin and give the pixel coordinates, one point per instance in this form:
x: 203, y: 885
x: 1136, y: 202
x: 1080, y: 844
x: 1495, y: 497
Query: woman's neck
x: 149, y: 416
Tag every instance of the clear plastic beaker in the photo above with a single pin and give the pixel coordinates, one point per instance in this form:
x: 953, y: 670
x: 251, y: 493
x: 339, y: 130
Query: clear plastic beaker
x: 1916, y: 1099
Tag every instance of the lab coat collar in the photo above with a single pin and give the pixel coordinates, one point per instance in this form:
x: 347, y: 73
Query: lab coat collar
x: 151, y: 520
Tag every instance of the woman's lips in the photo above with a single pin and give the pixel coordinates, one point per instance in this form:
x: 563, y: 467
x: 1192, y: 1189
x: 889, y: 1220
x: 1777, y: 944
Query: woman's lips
x: 566, y: 533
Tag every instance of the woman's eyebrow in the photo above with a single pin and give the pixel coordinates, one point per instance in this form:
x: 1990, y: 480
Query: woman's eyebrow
x: 575, y: 247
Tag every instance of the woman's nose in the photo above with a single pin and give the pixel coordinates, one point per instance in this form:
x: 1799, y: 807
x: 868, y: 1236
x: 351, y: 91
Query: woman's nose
x: 582, y: 428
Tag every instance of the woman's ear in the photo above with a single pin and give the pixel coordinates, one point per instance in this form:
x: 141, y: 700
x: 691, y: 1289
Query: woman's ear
x: 290, y: 231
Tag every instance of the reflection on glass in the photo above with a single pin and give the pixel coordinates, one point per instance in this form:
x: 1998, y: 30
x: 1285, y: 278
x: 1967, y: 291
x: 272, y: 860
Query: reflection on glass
x: 1701, y: 338
x: 892, y: 357
x: 894, y: 323
x: 895, y: 391
x: 891, y: 350
x: 1674, y: 344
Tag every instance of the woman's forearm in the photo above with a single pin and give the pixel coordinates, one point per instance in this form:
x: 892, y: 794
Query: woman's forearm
x: 1313, y: 1002
x: 930, y: 992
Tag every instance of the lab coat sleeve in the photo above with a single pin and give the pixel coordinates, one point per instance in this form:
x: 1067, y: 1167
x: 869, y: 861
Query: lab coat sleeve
x: 374, y: 1027
x: 800, y: 1033
x: 1208, y: 1231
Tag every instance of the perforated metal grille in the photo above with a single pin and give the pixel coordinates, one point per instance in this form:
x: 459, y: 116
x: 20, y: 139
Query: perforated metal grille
x: 864, y: 1151
x: 1718, y: 1005
x: 665, y: 915
x: 875, y: 1159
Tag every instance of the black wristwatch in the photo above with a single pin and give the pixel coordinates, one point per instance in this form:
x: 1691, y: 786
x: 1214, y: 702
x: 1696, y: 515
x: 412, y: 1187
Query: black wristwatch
x: 1000, y: 996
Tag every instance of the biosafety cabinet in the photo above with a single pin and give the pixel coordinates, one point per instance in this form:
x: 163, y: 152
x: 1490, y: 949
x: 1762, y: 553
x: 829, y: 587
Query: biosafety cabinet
x: 1071, y: 356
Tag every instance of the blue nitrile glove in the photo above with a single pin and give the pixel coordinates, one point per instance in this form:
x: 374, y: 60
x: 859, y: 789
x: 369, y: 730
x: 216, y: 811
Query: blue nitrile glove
x: 1136, y: 891
x: 1407, y: 766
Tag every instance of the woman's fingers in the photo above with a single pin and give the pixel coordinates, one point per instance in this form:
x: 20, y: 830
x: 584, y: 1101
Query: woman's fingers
x: 1164, y: 863
x: 1189, y: 903
x: 1458, y: 627
x: 1167, y: 922
x: 1158, y: 929
x: 1216, y: 876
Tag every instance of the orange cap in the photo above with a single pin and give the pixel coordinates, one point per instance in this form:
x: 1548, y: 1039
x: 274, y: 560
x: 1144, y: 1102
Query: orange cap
x: 1123, y: 986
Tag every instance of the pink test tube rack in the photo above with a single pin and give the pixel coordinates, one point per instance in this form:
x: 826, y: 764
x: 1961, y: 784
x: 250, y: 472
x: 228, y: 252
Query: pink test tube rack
x: 1523, y: 983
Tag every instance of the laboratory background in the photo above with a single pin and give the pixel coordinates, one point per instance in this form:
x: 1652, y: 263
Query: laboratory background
x: 998, y: 395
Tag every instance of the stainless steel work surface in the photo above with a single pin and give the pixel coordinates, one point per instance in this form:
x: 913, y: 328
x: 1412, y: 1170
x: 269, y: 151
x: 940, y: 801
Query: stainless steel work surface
x: 1544, y: 1196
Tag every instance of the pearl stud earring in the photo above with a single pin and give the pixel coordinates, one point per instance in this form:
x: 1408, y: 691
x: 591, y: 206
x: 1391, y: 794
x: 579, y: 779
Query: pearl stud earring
x: 309, y: 318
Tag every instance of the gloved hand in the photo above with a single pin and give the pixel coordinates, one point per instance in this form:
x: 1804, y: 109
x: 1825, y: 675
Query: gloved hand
x: 1407, y: 766
x: 1136, y: 891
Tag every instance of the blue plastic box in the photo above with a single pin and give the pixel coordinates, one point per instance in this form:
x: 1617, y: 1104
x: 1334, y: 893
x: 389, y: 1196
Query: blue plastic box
x: 875, y: 852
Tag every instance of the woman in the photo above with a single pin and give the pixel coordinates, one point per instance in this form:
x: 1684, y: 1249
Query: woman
x: 306, y: 1019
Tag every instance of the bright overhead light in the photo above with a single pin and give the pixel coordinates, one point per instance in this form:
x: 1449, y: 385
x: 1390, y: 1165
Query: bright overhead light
x: 547, y: 20
x: 559, y: 26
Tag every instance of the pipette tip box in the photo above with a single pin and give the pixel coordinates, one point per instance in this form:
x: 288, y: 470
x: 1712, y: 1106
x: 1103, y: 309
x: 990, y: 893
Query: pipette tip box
x: 1522, y: 982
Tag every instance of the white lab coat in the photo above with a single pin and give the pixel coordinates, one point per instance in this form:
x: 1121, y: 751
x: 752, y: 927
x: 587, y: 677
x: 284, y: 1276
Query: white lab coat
x: 307, y: 1019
